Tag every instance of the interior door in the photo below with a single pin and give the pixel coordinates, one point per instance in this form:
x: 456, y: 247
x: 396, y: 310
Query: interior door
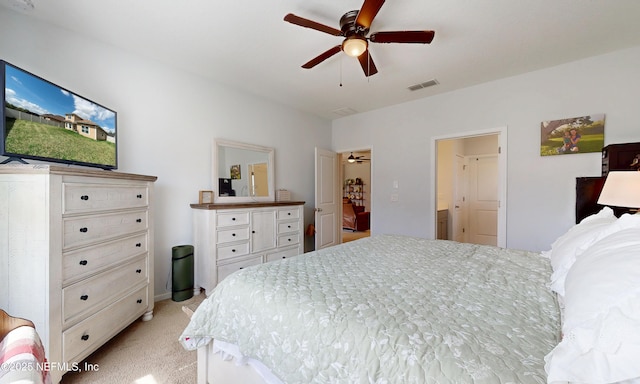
x: 483, y: 200
x: 458, y: 215
x: 258, y: 179
x: 327, y: 199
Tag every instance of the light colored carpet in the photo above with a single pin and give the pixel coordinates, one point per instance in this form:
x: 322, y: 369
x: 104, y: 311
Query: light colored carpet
x: 145, y: 352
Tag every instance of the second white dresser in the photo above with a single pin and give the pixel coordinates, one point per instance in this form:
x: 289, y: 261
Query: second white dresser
x: 229, y: 237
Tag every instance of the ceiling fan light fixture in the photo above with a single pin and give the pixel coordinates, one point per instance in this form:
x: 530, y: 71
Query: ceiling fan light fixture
x: 354, y: 46
x: 351, y: 159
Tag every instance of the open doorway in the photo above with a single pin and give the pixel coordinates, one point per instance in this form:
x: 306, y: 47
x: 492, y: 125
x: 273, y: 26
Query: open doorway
x: 470, y: 187
x: 356, y: 194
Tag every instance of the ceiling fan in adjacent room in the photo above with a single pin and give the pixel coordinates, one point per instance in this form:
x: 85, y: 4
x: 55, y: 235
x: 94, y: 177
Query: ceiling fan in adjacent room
x: 356, y: 159
x: 354, y: 27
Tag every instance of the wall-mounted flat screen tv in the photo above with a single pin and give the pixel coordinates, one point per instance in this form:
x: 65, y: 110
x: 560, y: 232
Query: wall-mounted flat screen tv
x: 43, y: 121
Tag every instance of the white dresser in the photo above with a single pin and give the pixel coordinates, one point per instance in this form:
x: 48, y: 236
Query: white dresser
x: 76, y: 255
x: 229, y: 237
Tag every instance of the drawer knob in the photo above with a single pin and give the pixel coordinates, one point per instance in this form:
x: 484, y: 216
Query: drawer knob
x: 253, y: 231
x: 233, y: 219
x: 233, y: 250
x: 233, y: 234
x: 289, y: 213
x: 84, y: 197
x: 284, y: 257
x: 288, y: 226
x: 241, y: 268
x: 288, y: 239
x: 138, y: 220
x: 84, y: 297
x: 85, y: 337
x: 138, y: 270
x: 83, y: 262
x: 139, y: 196
x: 138, y: 245
x: 84, y: 229
x: 139, y: 301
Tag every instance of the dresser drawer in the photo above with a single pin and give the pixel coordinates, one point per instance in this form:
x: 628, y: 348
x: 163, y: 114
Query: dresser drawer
x: 83, y: 338
x: 86, y: 261
x: 235, y: 250
x: 94, y: 292
x: 284, y: 254
x: 226, y: 270
x: 289, y: 213
x: 230, y: 235
x: 290, y: 239
x: 291, y: 226
x: 79, y: 198
x: 86, y: 229
x: 228, y: 219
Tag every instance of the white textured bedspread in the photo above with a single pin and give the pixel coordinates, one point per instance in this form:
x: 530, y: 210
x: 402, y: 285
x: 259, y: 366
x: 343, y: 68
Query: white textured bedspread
x: 389, y: 309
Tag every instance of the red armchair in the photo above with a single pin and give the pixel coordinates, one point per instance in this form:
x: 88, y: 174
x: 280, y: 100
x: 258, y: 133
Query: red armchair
x: 354, y: 217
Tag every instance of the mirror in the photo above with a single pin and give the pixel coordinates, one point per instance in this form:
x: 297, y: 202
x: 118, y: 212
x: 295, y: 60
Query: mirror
x: 242, y: 172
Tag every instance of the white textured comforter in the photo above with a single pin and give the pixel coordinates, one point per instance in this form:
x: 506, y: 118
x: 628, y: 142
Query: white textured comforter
x: 389, y: 309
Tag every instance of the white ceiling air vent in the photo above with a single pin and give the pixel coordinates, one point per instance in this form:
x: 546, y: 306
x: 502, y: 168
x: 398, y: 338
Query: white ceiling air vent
x: 426, y: 84
x: 346, y: 111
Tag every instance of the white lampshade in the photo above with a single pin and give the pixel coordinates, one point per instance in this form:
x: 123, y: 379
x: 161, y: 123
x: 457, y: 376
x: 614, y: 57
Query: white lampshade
x: 354, y: 46
x: 621, y: 189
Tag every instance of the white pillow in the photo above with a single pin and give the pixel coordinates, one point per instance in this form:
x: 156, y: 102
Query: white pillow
x: 565, y: 249
x: 601, y: 341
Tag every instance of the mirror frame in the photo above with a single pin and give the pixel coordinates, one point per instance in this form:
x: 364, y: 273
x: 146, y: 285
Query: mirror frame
x: 217, y: 143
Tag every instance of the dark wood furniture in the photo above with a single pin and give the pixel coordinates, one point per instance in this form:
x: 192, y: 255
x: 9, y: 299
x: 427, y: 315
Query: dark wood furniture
x: 354, y: 217
x: 619, y: 157
x: 615, y: 157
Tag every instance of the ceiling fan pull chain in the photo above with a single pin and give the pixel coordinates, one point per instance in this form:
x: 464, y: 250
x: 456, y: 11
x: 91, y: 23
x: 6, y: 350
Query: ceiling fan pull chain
x: 341, y: 71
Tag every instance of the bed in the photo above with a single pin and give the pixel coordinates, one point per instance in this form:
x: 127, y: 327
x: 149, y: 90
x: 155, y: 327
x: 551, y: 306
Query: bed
x: 394, y: 309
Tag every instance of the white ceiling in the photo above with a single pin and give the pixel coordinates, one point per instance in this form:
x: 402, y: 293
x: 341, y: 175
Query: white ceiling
x: 247, y: 45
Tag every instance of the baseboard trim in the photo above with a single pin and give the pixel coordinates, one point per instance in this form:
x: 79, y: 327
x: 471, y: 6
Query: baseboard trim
x: 161, y: 297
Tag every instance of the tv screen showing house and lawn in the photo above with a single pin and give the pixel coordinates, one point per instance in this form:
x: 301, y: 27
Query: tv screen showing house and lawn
x: 43, y: 121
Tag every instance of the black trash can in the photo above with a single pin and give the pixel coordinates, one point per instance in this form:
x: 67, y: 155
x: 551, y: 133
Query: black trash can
x: 182, y: 272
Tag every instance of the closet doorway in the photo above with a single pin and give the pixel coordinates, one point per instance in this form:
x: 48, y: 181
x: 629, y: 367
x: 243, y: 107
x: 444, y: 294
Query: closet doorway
x: 356, y: 194
x: 470, y: 184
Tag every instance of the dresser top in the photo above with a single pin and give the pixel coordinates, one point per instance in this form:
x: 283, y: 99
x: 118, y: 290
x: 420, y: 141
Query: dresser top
x: 35, y: 169
x: 257, y: 204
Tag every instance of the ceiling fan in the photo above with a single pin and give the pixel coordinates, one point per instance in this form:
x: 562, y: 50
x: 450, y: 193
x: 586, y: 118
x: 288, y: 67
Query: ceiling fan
x: 354, y: 27
x: 358, y: 159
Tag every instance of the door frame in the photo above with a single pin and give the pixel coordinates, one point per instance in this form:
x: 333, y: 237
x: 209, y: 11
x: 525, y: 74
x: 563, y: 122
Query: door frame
x: 341, y: 178
x: 502, y: 178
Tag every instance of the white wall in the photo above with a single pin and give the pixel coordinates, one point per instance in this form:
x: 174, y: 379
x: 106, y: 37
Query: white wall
x: 154, y: 137
x: 541, y: 190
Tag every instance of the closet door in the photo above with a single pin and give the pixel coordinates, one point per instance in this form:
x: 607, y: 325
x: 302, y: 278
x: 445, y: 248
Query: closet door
x: 483, y: 200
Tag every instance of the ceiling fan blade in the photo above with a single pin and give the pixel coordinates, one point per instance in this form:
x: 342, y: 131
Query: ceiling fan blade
x: 322, y: 57
x: 366, y: 62
x: 418, y: 37
x: 297, y: 20
x: 368, y: 12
